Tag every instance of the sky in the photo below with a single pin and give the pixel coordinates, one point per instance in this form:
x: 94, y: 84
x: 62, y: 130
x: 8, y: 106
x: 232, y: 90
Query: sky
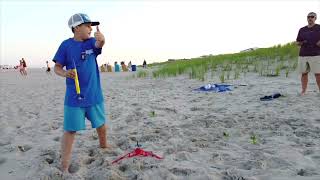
x: 154, y: 30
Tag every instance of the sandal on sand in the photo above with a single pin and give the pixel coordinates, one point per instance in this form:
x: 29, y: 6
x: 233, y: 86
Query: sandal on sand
x: 269, y: 98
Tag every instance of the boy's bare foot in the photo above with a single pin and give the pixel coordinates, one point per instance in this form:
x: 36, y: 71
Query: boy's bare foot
x: 65, y: 170
x: 105, y: 148
x: 66, y: 175
x: 65, y: 167
x: 303, y: 93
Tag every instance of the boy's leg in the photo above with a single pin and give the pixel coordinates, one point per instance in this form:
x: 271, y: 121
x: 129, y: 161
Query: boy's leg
x: 304, y: 82
x: 102, y: 134
x: 66, y: 146
x: 96, y: 114
x: 74, y: 120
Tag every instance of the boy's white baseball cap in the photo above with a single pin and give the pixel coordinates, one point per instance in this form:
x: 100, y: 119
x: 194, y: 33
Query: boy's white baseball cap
x: 80, y: 18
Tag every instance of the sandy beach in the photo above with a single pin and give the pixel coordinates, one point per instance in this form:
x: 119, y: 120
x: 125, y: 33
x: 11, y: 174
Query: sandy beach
x: 200, y: 135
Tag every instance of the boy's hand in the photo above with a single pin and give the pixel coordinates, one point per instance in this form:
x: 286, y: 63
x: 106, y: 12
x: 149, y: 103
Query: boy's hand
x: 70, y: 74
x: 99, y: 38
x: 318, y: 43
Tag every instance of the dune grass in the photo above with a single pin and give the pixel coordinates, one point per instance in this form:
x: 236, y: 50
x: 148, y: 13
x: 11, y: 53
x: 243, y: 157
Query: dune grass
x: 264, y: 61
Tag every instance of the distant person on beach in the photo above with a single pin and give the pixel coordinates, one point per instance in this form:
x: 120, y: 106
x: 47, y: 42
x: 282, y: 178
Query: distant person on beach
x: 309, y: 56
x: 20, y: 67
x: 81, y: 52
x: 124, y: 67
x: 144, y: 64
x: 109, y: 68
x: 23, y: 67
x: 116, y: 67
x: 129, y: 66
x: 48, y: 68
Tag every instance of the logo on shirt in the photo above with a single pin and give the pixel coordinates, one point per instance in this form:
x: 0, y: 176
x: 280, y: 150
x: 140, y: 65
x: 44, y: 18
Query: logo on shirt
x: 86, y: 53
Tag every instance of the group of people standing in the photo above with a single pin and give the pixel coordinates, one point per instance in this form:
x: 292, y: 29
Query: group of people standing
x: 120, y: 67
x: 23, y: 67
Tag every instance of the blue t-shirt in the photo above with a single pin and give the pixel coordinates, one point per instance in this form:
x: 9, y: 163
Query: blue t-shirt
x: 84, y: 55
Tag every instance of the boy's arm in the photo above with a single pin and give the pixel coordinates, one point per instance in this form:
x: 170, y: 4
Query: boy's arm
x: 99, y: 38
x: 58, y: 69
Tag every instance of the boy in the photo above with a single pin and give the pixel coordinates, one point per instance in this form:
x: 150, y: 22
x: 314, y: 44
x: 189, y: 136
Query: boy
x: 80, y: 53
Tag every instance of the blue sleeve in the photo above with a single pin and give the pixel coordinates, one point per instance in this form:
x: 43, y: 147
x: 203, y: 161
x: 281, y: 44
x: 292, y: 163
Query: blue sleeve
x: 61, y: 55
x: 96, y: 50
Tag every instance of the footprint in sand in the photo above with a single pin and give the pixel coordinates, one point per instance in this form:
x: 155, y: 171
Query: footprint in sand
x: 4, y: 143
x: 49, y: 156
x: 74, y: 167
x: 2, y: 160
x: 123, y: 167
x: 308, y: 152
x: 89, y: 161
x: 56, y: 138
x: 92, y: 152
x: 229, y: 176
x: 123, y: 143
x: 316, y: 158
x: 196, y: 109
x: 24, y: 148
x: 308, y: 172
x: 181, y: 171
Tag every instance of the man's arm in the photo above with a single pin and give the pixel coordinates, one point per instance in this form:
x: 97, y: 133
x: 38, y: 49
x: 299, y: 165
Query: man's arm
x: 58, y: 69
x: 299, y: 43
x: 300, y: 40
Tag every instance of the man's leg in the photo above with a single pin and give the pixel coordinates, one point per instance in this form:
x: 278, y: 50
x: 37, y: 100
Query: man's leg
x: 66, y: 146
x: 102, y: 134
x: 318, y: 80
x: 304, y: 82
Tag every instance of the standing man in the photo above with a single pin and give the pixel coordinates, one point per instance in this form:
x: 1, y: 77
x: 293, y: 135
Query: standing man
x: 144, y: 64
x: 309, y: 56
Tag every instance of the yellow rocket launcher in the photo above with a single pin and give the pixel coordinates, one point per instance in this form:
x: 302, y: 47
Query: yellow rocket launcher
x: 76, y: 81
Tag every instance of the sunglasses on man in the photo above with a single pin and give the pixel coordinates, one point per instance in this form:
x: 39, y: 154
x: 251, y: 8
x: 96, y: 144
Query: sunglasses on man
x: 311, y: 17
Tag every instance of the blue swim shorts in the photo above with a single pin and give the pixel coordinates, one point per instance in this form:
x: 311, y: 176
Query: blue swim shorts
x: 74, y: 117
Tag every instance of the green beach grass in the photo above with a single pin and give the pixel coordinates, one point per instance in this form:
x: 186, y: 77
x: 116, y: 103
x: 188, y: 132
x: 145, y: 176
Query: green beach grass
x: 272, y: 61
